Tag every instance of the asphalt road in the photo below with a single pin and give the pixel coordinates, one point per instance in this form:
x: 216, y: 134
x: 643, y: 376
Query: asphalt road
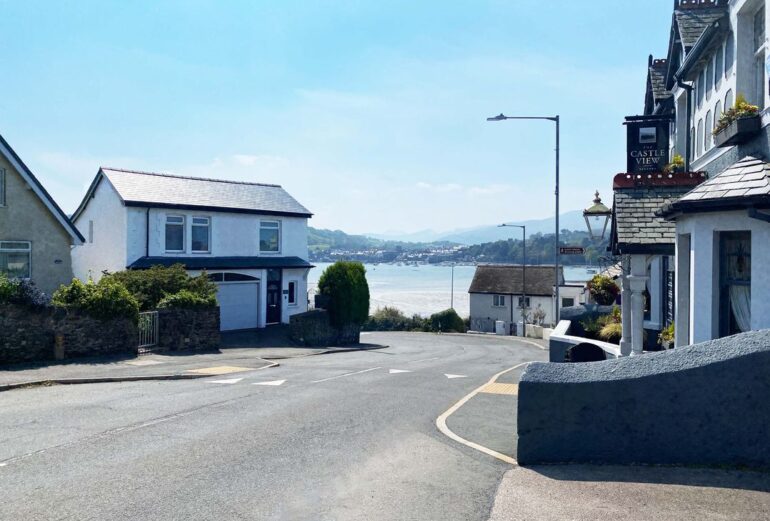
x: 342, y: 437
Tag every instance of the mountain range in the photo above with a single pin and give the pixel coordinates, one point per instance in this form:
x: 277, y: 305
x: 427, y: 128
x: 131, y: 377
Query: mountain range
x: 572, y: 220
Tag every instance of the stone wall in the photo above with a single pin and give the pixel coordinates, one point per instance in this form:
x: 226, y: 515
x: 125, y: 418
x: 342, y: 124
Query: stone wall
x: 313, y: 328
x: 705, y: 404
x: 196, y: 329
x: 29, y: 335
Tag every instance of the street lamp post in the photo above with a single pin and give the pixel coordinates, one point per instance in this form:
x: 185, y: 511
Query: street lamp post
x: 452, y: 298
x: 523, y: 276
x: 557, y: 256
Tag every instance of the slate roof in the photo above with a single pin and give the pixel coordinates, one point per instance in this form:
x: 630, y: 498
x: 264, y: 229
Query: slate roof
x: 657, y: 77
x: 152, y: 189
x: 746, y: 181
x: 693, y: 21
x: 506, y: 279
x: 636, y: 228
x: 221, y: 263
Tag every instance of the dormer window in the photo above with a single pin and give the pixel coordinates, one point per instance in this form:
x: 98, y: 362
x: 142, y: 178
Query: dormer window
x: 270, y: 236
x: 175, y: 233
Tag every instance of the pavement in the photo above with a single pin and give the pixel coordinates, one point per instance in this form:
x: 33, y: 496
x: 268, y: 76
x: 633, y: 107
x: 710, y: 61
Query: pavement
x: 348, y: 436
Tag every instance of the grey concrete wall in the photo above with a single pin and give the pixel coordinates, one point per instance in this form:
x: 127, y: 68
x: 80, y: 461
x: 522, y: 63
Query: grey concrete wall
x: 707, y: 403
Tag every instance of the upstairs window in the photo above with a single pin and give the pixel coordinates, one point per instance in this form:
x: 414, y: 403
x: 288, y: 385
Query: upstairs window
x: 16, y: 259
x: 701, y: 87
x: 759, y: 29
x: 719, y: 66
x: 729, y: 54
x: 201, y: 235
x: 174, y: 233
x: 270, y: 236
x: 2, y: 187
x: 707, y: 131
x: 709, y: 79
x: 498, y: 301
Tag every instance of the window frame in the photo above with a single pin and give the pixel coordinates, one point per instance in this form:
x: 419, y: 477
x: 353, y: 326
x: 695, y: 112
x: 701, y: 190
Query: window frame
x: 208, y: 233
x: 183, y: 225
x: 527, y: 302
x: 292, y: 289
x: 279, y: 228
x: 3, y: 188
x: 498, y: 301
x: 27, y: 250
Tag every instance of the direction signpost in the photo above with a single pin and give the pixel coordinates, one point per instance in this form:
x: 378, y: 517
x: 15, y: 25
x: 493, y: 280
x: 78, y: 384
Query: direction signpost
x: 571, y: 250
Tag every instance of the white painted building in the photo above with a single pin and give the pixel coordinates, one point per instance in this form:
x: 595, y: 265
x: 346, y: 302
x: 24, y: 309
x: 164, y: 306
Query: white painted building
x: 496, y: 294
x: 250, y: 238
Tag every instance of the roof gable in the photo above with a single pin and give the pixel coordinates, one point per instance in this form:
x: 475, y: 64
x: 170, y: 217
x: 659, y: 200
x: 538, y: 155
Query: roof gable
x: 160, y: 190
x: 40, y: 191
x: 507, y: 279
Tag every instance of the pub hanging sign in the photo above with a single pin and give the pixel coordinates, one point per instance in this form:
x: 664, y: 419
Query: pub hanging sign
x: 647, y: 143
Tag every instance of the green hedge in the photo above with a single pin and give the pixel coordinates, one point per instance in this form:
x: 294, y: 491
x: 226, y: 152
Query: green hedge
x: 186, y: 299
x: 344, y: 283
x: 447, y: 321
x: 153, y: 285
x: 391, y: 319
x: 104, y: 300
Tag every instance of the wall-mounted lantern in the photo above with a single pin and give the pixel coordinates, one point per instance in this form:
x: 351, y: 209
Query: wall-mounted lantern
x: 597, y: 217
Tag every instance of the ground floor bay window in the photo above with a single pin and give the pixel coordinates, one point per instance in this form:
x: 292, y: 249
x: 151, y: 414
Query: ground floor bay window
x: 734, y: 282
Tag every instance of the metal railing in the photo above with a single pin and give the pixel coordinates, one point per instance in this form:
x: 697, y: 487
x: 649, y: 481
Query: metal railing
x: 148, y: 331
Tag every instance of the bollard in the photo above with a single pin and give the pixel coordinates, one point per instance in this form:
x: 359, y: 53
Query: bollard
x: 58, y: 348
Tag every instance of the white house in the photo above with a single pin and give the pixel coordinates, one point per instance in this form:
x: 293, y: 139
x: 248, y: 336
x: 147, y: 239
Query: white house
x: 250, y: 238
x: 496, y: 294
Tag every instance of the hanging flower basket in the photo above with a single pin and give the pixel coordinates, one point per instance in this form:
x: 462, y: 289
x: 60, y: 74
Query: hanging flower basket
x: 738, y: 131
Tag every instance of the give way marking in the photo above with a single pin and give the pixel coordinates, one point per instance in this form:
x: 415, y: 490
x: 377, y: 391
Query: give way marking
x: 273, y: 382
x: 227, y: 381
x: 450, y: 376
x: 395, y: 371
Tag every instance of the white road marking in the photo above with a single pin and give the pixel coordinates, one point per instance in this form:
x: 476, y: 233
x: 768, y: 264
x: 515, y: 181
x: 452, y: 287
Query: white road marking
x: 394, y: 371
x: 144, y: 362
x: 346, y: 374
x: 422, y: 360
x: 441, y: 421
x: 227, y: 381
x: 450, y: 376
x: 274, y: 382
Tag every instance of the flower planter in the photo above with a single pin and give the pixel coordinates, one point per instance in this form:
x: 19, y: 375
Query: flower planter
x: 739, y: 131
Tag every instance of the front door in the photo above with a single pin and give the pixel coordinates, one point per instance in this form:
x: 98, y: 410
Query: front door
x: 273, y: 296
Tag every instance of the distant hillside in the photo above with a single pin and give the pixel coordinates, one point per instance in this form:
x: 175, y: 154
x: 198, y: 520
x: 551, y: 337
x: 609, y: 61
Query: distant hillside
x: 481, y: 234
x: 320, y: 240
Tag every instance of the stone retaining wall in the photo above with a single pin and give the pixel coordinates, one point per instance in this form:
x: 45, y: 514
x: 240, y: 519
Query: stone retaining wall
x: 314, y: 329
x: 28, y: 335
x: 196, y: 329
x: 705, y: 404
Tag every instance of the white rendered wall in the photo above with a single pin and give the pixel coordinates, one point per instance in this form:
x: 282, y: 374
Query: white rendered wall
x: 232, y: 235
x: 299, y: 276
x: 481, y: 308
x: 704, y: 274
x: 108, y: 249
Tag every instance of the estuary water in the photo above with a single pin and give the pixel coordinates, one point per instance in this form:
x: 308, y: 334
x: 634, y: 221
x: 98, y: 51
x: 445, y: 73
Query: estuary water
x: 425, y: 288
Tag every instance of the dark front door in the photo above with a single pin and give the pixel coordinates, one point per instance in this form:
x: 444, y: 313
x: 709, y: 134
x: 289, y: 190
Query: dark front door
x: 273, y: 296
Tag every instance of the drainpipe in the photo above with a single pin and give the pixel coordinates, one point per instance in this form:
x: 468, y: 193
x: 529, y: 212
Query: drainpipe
x: 687, y: 150
x: 147, y: 234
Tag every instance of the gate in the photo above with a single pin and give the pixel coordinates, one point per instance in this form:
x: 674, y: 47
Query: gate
x: 148, y: 331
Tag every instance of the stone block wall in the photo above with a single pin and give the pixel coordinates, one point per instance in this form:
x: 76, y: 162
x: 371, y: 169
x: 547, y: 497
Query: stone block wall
x: 313, y: 328
x: 28, y: 335
x: 196, y: 329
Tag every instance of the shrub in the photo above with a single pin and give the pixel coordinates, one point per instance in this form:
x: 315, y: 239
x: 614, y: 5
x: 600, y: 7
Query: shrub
x: 603, y: 290
x: 106, y: 300
x: 344, y: 283
x: 611, y: 332
x: 152, y: 285
x: 391, y: 319
x: 447, y: 321
x: 187, y: 299
x: 21, y: 292
x: 667, y: 334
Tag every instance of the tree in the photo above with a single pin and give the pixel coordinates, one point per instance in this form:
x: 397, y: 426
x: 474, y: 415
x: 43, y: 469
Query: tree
x: 344, y: 284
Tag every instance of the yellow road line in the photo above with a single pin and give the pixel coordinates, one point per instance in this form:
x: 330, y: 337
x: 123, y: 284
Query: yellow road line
x: 441, y: 421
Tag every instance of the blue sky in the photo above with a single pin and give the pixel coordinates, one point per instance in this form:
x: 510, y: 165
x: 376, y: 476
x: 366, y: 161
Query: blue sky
x: 371, y: 113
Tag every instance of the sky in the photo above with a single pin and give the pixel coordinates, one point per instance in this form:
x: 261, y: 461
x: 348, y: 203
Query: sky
x: 371, y: 113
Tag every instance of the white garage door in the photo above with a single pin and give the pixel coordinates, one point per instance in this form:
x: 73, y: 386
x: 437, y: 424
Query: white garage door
x: 238, y: 305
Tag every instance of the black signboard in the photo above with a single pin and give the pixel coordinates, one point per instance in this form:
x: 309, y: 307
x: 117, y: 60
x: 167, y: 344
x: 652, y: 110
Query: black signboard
x: 571, y: 250
x: 647, y: 145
